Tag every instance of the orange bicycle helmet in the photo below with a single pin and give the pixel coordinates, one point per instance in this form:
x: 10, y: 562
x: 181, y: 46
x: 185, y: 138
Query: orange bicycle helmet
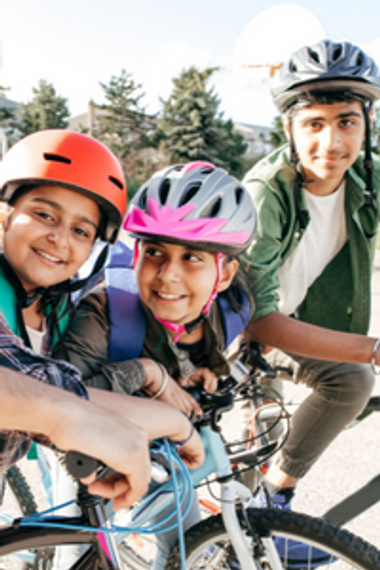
x: 73, y: 160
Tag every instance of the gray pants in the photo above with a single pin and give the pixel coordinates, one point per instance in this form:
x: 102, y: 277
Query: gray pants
x: 339, y: 393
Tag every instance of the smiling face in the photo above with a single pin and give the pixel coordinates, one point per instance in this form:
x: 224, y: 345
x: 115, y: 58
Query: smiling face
x: 176, y: 281
x: 49, y: 234
x: 328, y: 139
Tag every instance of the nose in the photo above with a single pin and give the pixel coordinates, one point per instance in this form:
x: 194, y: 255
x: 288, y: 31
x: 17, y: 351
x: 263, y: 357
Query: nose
x: 59, y: 236
x: 170, y: 270
x: 329, y: 137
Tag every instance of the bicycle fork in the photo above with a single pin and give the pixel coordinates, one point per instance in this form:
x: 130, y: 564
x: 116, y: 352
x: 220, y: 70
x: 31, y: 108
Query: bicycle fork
x: 232, y: 492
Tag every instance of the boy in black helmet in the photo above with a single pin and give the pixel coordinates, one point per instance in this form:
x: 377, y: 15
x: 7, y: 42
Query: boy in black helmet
x: 317, y: 200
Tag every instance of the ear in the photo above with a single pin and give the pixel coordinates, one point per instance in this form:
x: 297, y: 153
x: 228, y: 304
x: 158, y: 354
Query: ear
x: 5, y: 216
x: 228, y: 273
x: 371, y: 116
x: 286, y: 124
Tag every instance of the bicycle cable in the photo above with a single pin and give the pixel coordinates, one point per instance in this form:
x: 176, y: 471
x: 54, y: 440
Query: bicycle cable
x: 39, y: 519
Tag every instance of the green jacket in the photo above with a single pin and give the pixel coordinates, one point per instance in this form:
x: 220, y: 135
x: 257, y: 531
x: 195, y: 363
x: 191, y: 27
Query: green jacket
x: 340, y: 297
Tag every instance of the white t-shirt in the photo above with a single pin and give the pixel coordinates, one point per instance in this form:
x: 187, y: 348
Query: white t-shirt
x: 323, y: 238
x: 36, y: 338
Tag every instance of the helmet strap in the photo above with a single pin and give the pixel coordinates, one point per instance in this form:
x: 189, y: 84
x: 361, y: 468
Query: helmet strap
x: 299, y: 182
x: 136, y: 253
x: 369, y: 193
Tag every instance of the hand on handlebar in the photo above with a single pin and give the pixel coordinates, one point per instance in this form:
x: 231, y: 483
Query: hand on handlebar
x: 179, y: 398
x: 203, y: 376
x: 192, y: 452
x: 115, y: 441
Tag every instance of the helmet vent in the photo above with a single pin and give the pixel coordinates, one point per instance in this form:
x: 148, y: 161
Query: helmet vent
x: 314, y: 55
x: 337, y: 53
x: 164, y: 190
x: 238, y: 195
x: 359, y: 60
x: 56, y: 158
x: 207, y: 170
x: 116, y: 182
x: 292, y: 67
x: 143, y: 198
x: 214, y: 210
x: 189, y: 193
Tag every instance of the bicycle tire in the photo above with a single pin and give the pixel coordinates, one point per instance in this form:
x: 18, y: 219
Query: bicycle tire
x: 21, y: 491
x: 14, y: 539
x: 27, y: 505
x: 208, y: 541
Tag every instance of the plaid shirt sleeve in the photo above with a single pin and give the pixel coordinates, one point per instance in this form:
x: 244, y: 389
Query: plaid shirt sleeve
x: 16, y: 356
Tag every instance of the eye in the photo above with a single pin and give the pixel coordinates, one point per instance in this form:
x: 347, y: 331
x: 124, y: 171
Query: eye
x: 44, y: 215
x: 193, y: 257
x: 82, y: 232
x: 152, y: 251
x: 314, y: 125
x: 347, y: 123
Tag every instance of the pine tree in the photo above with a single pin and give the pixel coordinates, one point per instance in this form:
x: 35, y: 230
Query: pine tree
x: 375, y: 130
x: 9, y: 122
x: 46, y: 110
x: 277, y: 135
x: 193, y: 127
x: 121, y: 122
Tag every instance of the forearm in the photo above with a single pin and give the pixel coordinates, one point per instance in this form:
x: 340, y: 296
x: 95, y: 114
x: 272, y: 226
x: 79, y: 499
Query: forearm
x: 29, y: 405
x: 290, y: 335
x: 158, y: 419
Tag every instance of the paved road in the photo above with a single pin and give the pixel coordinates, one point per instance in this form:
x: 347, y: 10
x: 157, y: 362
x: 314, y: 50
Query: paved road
x: 350, y: 462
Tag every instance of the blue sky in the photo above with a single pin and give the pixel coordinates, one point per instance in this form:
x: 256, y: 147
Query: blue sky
x: 75, y: 44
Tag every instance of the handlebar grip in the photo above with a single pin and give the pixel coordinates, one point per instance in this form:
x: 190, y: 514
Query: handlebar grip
x: 80, y: 465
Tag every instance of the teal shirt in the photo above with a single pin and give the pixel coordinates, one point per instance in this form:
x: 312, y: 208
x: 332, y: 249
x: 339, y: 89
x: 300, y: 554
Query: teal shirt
x: 8, y: 304
x: 340, y: 297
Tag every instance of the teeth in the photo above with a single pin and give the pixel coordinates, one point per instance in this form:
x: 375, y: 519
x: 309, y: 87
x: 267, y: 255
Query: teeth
x: 50, y: 257
x: 169, y: 297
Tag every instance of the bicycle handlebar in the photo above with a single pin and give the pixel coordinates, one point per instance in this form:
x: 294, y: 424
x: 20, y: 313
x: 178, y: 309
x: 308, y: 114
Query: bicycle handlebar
x: 213, y: 406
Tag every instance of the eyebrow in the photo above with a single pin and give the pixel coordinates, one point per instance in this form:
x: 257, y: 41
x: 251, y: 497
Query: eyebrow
x: 188, y: 247
x: 57, y: 206
x: 340, y: 116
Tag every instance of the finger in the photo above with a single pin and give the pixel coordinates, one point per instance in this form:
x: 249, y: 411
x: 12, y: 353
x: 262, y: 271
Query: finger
x: 125, y: 492
x: 88, y: 480
x: 110, y: 487
x: 210, y: 382
x: 193, y: 405
x: 192, y: 460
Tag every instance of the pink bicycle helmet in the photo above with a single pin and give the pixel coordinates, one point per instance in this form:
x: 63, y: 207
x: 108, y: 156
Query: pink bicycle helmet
x: 194, y: 203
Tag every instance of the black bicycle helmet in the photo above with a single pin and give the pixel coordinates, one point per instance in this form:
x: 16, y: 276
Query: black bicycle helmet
x: 327, y: 66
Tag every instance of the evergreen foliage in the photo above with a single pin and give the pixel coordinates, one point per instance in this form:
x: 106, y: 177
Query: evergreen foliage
x: 46, y: 110
x: 121, y: 122
x: 9, y: 122
x: 277, y: 135
x: 193, y: 128
x: 375, y: 130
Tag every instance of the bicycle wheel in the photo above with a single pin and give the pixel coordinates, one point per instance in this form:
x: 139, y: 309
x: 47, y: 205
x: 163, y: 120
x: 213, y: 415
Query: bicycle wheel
x: 323, y: 545
x: 14, y: 539
x: 21, y: 491
x: 25, y: 504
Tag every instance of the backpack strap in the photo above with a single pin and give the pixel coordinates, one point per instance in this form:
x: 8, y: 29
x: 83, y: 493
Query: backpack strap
x: 233, y: 323
x: 127, y: 318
